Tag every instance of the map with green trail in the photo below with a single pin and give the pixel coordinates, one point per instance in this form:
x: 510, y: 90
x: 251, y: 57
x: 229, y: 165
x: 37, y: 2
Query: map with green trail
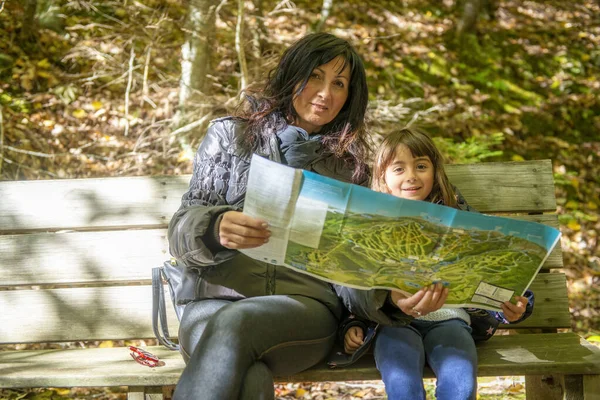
x: 371, y: 251
x: 353, y: 236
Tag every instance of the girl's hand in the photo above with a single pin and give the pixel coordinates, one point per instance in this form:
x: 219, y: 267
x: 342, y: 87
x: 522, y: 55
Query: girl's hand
x: 240, y: 231
x: 426, y: 300
x: 353, y: 339
x: 513, y: 312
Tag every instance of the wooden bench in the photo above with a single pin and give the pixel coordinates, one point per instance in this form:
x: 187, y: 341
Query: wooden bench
x: 76, y: 258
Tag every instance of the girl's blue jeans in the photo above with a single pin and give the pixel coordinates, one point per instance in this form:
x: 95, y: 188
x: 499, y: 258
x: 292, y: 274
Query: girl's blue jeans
x: 448, y: 348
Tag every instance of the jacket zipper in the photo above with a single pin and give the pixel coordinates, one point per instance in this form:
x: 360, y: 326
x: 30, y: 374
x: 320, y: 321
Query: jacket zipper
x: 270, y: 283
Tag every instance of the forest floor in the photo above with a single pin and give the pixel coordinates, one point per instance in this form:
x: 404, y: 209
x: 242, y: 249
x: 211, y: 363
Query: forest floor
x: 501, y: 388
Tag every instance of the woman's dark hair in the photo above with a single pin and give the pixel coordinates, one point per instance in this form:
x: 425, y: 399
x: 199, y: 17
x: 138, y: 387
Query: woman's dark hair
x: 272, y: 109
x: 420, y: 145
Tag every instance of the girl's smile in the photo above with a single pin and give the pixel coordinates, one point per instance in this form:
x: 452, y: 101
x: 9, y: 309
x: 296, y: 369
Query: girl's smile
x: 409, y: 177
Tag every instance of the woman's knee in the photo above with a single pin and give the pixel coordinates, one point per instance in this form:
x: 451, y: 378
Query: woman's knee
x: 236, y: 318
x: 193, y: 323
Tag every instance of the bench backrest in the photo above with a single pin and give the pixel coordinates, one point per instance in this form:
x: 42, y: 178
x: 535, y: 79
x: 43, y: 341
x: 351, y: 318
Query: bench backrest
x: 76, y: 254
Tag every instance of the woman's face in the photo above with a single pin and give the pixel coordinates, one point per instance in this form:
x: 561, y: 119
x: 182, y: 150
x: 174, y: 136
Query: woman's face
x: 323, y: 97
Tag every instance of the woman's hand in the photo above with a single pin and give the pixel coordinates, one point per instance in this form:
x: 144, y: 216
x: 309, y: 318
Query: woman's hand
x: 513, y: 312
x: 240, y: 231
x: 426, y: 300
x: 353, y: 339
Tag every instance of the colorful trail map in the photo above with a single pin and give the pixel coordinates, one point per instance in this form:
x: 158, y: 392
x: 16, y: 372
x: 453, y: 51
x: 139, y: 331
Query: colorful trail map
x: 353, y: 236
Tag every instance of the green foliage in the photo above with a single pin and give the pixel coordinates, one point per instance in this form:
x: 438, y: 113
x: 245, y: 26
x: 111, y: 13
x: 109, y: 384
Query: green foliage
x: 66, y: 93
x: 472, y: 150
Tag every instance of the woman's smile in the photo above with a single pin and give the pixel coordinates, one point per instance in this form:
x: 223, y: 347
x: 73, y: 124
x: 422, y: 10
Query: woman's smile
x: 323, y: 97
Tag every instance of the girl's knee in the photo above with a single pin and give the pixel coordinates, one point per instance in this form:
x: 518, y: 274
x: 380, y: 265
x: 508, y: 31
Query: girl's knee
x: 459, y: 383
x: 458, y: 389
x: 402, y: 386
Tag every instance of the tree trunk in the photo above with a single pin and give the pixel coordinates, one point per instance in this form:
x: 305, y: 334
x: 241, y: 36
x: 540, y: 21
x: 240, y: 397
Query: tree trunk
x: 324, y: 14
x: 239, y: 46
x: 28, y: 27
x: 470, y: 15
x: 49, y: 16
x: 260, y: 34
x: 196, y: 52
x: 1, y: 141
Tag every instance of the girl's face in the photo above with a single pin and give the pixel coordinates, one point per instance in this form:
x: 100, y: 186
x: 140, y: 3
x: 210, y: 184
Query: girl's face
x: 409, y: 177
x: 323, y: 96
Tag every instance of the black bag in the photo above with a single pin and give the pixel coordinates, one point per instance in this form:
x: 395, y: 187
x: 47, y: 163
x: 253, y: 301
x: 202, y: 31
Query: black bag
x: 182, y: 283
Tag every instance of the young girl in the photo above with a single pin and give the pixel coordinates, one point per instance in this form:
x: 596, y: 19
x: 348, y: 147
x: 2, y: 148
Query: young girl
x: 408, y: 165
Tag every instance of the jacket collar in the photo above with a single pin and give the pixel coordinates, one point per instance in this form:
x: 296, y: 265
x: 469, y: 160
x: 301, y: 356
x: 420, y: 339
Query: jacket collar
x: 298, y: 148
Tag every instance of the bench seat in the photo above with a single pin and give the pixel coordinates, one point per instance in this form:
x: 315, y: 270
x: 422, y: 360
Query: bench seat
x: 558, y: 353
x: 76, y: 258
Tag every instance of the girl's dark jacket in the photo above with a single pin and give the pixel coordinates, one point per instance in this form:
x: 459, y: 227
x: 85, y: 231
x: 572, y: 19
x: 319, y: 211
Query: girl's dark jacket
x: 218, y: 185
x: 369, y: 309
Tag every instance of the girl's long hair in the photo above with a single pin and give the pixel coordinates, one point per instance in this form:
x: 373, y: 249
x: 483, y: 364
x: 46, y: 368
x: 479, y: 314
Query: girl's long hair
x: 420, y: 145
x: 271, y: 109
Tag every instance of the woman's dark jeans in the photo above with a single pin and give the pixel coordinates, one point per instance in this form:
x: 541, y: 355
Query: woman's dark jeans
x: 233, y: 349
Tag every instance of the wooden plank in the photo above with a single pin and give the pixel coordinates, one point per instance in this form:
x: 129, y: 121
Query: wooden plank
x: 89, y: 203
x: 151, y: 201
x: 136, y: 393
x: 111, y: 256
x: 86, y: 367
x: 591, y: 387
x: 551, y: 309
x: 561, y: 353
x: 560, y: 387
x: 124, y: 312
x: 547, y: 353
x: 95, y: 313
x: 146, y: 393
x: 573, y: 387
x: 506, y: 186
x: 76, y: 257
x: 544, y: 387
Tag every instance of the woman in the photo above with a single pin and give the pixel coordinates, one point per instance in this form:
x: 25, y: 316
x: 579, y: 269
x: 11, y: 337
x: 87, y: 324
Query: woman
x: 250, y: 319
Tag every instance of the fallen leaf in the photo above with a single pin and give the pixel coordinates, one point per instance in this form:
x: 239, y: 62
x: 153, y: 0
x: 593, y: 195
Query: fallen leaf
x: 79, y: 113
x: 574, y: 225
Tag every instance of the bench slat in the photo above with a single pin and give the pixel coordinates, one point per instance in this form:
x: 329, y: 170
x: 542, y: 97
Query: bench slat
x: 560, y: 353
x: 71, y: 314
x: 551, y: 309
x: 151, y: 201
x: 124, y: 312
x: 111, y: 256
x: 539, y: 354
x: 90, y: 203
x: 506, y: 187
x: 81, y: 257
